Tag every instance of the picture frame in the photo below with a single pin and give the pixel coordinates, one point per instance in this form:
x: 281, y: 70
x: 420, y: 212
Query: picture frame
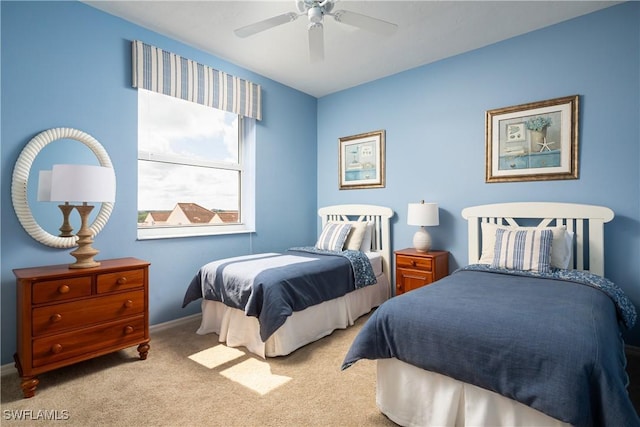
x: 361, y: 161
x: 537, y: 141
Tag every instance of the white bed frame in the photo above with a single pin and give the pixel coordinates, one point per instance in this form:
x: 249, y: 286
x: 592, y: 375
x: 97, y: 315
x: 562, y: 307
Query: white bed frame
x: 236, y: 329
x: 411, y: 396
x: 380, y: 216
x: 575, y: 217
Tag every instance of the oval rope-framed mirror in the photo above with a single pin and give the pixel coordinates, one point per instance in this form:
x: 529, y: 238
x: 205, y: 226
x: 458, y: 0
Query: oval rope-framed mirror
x: 21, y: 177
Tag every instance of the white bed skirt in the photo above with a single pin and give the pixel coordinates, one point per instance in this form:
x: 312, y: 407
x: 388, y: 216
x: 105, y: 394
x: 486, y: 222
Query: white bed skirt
x: 236, y: 329
x: 411, y: 396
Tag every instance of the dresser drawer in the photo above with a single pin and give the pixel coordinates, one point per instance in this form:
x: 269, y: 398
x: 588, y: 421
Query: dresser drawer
x: 403, y: 261
x: 59, y: 317
x: 98, y: 338
x: 60, y: 290
x: 121, y: 280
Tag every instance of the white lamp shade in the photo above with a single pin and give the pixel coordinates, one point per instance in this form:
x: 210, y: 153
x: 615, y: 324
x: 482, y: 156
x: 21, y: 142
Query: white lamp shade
x: 82, y: 183
x: 44, y: 186
x: 423, y: 214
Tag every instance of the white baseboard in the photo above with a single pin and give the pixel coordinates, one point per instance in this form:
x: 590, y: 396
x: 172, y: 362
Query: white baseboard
x: 10, y: 368
x: 171, y: 323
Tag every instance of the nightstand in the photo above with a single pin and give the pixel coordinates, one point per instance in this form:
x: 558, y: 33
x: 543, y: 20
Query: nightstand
x: 416, y: 269
x: 69, y: 315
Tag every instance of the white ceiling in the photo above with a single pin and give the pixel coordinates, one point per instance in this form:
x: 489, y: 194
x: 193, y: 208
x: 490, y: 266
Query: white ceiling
x: 427, y: 31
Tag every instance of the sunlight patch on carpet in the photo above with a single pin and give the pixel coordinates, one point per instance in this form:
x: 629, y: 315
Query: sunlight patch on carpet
x: 255, y: 375
x: 216, y: 356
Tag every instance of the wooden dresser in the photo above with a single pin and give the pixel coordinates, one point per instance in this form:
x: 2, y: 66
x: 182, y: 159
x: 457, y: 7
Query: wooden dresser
x: 70, y: 315
x: 416, y: 269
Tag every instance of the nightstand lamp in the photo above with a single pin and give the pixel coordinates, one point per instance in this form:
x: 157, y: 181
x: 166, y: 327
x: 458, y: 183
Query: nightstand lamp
x: 83, y: 183
x: 424, y: 215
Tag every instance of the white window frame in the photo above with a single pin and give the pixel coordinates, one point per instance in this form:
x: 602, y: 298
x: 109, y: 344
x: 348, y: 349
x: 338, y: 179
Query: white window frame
x: 247, y: 156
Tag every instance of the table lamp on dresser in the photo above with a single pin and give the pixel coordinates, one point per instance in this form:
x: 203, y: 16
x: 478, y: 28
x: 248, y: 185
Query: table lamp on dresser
x: 83, y: 183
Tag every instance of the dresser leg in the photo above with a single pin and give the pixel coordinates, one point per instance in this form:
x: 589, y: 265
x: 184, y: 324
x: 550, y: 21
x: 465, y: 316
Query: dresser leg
x: 29, y: 385
x: 143, y: 349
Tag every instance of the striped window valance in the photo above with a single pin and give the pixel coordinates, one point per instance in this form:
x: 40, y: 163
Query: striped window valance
x: 167, y: 73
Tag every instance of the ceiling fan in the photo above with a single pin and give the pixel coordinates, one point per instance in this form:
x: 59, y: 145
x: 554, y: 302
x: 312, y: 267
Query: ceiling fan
x: 316, y: 11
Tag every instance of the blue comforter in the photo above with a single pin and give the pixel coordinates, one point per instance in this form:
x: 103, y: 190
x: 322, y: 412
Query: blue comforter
x: 550, y: 343
x: 272, y: 286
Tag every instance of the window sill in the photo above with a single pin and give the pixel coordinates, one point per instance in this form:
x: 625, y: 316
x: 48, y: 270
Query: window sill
x: 152, y: 233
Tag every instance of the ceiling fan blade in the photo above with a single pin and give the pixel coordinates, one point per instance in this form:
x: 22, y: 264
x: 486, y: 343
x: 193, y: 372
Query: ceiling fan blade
x: 365, y: 22
x: 316, y: 42
x: 257, y: 27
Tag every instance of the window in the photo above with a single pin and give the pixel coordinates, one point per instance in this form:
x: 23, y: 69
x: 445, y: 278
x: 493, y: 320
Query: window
x: 195, y: 169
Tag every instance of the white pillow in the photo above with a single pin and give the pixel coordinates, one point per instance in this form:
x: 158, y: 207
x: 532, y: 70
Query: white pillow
x: 356, y: 235
x: 523, y: 249
x: 366, y: 240
x: 568, y: 241
x: 560, y: 250
x: 352, y: 237
x: 333, y: 236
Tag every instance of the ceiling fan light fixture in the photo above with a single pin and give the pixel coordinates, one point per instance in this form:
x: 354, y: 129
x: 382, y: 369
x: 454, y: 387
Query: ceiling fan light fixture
x: 315, y: 15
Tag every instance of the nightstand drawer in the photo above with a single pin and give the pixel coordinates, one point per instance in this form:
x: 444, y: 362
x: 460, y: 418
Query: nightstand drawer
x: 65, y: 346
x: 121, y: 280
x: 403, y: 261
x: 417, y: 269
x: 58, y: 317
x: 60, y: 290
x: 409, y: 280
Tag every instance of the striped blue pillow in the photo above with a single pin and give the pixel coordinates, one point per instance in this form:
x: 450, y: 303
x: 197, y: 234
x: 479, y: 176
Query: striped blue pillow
x: 527, y: 250
x: 333, y: 236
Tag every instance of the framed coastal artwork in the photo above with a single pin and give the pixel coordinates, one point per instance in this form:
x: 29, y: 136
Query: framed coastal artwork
x: 533, y: 142
x: 361, y: 161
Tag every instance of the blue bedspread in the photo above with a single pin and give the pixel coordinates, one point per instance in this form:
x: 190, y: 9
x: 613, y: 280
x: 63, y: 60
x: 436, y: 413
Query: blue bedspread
x: 272, y: 286
x: 550, y: 343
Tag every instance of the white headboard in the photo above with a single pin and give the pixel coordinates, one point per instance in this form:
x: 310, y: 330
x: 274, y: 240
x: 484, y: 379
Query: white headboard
x: 586, y: 221
x: 380, y: 216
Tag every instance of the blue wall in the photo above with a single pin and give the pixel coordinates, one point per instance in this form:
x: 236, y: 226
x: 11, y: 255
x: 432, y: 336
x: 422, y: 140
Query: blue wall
x: 65, y: 64
x: 435, y: 147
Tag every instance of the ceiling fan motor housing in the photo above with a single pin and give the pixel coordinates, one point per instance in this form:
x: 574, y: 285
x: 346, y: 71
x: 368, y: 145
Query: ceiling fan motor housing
x: 304, y: 6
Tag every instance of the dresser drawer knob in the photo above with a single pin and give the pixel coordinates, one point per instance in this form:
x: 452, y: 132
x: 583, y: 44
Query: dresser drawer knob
x: 128, y: 329
x: 121, y: 280
x: 55, y: 318
x: 63, y: 289
x: 56, y: 348
x: 413, y: 263
x: 128, y: 303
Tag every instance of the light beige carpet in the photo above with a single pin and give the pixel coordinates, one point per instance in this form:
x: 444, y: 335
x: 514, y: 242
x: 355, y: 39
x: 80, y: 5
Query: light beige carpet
x: 192, y: 380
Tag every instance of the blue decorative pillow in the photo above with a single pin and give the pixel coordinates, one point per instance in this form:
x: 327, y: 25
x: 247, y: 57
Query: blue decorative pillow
x: 526, y: 250
x: 333, y: 236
